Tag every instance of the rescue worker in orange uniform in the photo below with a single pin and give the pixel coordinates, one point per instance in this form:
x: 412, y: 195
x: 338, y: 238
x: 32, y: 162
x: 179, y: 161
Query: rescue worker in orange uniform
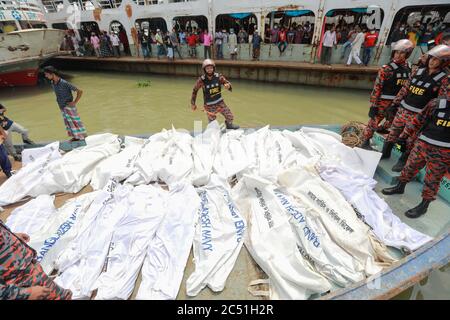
x: 211, y: 82
x: 21, y: 276
x: 431, y: 150
x: 424, y: 85
x: 391, y: 77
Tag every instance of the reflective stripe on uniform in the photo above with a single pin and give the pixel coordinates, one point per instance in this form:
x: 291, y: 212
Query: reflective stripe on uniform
x: 439, y: 76
x: 442, y: 103
x: 387, y: 97
x: 435, y: 142
x: 214, y: 102
x: 410, y: 108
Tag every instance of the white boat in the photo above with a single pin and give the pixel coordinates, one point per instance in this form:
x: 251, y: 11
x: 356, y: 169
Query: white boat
x: 25, y: 42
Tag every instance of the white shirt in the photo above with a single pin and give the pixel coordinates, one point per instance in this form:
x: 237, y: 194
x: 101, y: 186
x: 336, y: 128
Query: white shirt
x: 114, y: 40
x: 357, y: 43
x: 329, y: 38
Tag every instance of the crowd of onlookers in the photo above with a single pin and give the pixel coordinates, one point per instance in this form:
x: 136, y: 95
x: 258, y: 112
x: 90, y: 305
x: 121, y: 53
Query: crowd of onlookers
x: 101, y: 44
x: 352, y: 38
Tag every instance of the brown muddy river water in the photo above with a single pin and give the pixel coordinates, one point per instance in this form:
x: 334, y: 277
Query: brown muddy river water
x: 114, y: 102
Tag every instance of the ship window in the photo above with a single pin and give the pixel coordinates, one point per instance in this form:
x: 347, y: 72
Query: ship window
x: 299, y: 22
x: 87, y: 27
x: 25, y: 25
x: 190, y: 23
x: 53, y: 5
x: 109, y: 4
x: 78, y: 4
x: 60, y: 26
x: 148, y: 2
x: 346, y: 20
x: 152, y: 24
x: 423, y: 25
x: 238, y: 21
x: 7, y: 26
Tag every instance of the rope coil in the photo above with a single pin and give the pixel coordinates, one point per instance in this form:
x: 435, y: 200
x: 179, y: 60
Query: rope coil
x: 352, y: 133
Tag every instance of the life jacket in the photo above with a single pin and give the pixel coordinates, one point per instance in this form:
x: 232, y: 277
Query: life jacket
x: 212, y: 90
x: 422, y: 89
x: 437, y: 130
x: 392, y: 86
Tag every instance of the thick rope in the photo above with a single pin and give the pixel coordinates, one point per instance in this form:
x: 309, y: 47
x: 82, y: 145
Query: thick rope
x: 352, y: 133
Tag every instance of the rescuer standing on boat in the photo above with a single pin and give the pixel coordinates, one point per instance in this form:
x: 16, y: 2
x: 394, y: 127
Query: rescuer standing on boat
x: 211, y: 82
x: 21, y: 276
x: 63, y: 90
x: 431, y: 149
x: 423, y: 86
x: 391, y: 78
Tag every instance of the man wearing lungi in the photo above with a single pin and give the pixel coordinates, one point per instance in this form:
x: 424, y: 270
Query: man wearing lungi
x: 63, y: 90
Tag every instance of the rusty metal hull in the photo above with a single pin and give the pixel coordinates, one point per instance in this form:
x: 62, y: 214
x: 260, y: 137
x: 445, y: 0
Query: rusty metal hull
x: 338, y: 76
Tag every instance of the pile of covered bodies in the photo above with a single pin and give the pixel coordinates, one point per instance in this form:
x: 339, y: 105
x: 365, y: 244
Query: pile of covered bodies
x: 301, y: 202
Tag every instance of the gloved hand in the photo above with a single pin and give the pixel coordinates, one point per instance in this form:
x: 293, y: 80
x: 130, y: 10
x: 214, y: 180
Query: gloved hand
x: 402, y: 143
x: 391, y: 111
x: 373, y: 112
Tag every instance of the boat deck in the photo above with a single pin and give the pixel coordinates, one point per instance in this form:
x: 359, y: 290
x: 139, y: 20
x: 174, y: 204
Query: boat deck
x: 403, y: 274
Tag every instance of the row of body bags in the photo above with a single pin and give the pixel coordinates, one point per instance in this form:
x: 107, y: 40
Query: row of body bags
x: 99, y: 241
x: 172, y: 155
x: 285, y: 179
x: 301, y: 231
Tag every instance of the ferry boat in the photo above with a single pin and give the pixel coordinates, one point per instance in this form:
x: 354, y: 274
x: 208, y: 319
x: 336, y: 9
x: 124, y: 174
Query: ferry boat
x: 129, y: 16
x: 25, y: 42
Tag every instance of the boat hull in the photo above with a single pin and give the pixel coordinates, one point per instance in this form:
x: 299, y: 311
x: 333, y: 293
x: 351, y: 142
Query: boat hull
x: 23, y: 51
x: 20, y: 74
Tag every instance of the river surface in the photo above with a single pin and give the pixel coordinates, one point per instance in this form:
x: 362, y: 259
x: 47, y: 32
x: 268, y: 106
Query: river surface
x: 114, y: 102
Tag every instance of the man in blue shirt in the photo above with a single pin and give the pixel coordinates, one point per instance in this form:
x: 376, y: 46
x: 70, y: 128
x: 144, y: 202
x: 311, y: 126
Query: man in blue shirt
x: 67, y: 105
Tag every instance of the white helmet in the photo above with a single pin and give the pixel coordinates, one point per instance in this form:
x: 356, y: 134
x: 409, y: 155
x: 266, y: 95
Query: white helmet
x: 208, y: 62
x: 403, y: 45
x: 441, y: 52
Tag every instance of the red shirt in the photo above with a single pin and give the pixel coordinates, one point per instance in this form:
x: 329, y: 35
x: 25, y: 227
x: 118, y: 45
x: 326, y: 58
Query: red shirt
x: 282, y: 36
x: 370, y: 39
x: 192, y: 40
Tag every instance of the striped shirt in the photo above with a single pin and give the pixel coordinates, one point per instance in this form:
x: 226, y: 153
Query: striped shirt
x: 63, y: 91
